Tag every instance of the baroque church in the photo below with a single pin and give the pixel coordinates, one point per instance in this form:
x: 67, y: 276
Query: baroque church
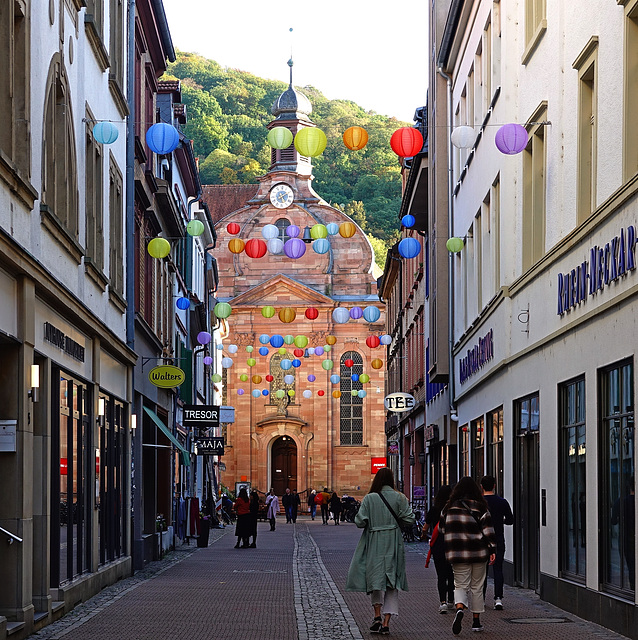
x: 327, y: 432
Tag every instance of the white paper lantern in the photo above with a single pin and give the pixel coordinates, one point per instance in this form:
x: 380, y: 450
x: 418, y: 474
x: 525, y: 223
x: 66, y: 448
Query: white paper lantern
x: 269, y: 232
x: 307, y: 393
x: 289, y: 379
x: 232, y: 348
x: 341, y: 315
x: 385, y: 339
x: 275, y: 246
x: 227, y: 363
x: 463, y: 137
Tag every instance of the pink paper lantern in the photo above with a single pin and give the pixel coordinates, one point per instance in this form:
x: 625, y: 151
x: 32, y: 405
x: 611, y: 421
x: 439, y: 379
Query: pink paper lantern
x: 511, y: 139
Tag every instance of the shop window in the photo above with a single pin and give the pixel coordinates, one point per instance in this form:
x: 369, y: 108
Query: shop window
x: 617, y: 482
x: 495, y: 447
x: 464, y: 439
x: 573, y: 505
x: 351, y: 406
x: 478, y: 448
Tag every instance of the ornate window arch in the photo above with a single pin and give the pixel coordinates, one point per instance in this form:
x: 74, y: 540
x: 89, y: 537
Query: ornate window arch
x: 351, y: 418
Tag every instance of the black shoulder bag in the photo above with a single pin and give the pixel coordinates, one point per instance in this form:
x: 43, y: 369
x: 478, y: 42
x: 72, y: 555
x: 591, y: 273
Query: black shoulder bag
x: 404, y: 528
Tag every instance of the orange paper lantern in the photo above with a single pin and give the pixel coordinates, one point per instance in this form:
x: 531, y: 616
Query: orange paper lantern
x: 347, y: 229
x: 287, y: 314
x: 236, y: 245
x: 331, y: 340
x: 377, y: 363
x: 355, y: 138
x: 256, y: 379
x: 336, y: 394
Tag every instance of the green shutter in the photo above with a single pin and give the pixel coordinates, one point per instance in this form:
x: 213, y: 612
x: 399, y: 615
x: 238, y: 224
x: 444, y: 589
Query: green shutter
x: 186, y: 364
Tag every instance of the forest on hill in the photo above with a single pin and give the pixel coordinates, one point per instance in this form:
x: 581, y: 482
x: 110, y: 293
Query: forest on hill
x: 228, y: 111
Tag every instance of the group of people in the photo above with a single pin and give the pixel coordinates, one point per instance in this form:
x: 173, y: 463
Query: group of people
x: 327, y: 503
x: 467, y: 523
x: 247, y: 510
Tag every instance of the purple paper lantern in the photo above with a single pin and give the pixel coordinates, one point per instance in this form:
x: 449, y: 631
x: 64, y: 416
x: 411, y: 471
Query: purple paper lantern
x: 311, y: 377
x: 208, y: 360
x: 511, y: 139
x: 356, y: 313
x: 240, y: 392
x: 318, y: 351
x: 203, y: 337
x: 294, y: 248
x: 292, y: 231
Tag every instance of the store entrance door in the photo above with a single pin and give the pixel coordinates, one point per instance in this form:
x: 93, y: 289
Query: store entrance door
x: 284, y: 465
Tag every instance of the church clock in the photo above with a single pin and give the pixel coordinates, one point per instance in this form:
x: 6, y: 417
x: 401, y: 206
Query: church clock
x: 281, y: 196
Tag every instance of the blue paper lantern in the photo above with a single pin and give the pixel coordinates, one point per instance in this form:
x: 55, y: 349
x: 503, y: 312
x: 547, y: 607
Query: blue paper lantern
x: 263, y: 351
x: 408, y: 221
x: 256, y: 393
x: 162, y: 138
x: 371, y: 314
x: 105, y: 132
x: 362, y: 393
x: 409, y: 248
x: 333, y: 228
x: 354, y: 377
x: 183, y: 303
x: 264, y: 338
x: 321, y: 246
x: 277, y: 341
x: 335, y: 379
x: 265, y: 392
x: 285, y: 364
x: 296, y: 363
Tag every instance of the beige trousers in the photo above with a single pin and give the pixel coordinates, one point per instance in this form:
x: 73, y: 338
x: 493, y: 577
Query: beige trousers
x: 470, y: 577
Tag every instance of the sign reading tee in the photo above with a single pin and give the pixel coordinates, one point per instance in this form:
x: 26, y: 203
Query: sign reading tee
x: 398, y: 402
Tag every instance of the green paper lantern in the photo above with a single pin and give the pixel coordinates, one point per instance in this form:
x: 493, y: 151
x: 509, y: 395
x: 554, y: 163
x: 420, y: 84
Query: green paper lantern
x: 280, y: 393
x: 354, y: 393
x: 195, y: 228
x: 222, y: 310
x: 310, y: 142
x: 364, y: 377
x: 268, y: 312
x: 282, y: 351
x: 251, y: 362
x: 243, y: 377
x: 318, y: 231
x: 216, y: 377
x: 159, y: 248
x: 327, y: 364
x: 289, y: 339
x: 327, y: 348
x: 454, y: 245
x: 301, y: 342
x: 279, y: 137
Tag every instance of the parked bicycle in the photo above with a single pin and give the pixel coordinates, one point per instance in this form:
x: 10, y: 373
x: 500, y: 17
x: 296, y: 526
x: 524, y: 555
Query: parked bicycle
x: 349, y: 508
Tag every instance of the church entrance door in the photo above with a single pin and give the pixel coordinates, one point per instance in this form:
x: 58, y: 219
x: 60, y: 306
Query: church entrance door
x: 284, y: 465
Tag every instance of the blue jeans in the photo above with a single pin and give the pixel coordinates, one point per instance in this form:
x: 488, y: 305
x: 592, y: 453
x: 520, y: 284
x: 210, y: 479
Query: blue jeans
x: 289, y: 514
x: 497, y: 571
x: 313, y: 510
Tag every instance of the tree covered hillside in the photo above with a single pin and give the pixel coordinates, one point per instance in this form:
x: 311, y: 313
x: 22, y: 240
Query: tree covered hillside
x: 228, y: 111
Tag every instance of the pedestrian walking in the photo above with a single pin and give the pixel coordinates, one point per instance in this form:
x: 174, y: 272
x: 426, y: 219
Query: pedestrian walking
x: 469, y: 542
x: 272, y: 508
x: 501, y: 514
x: 294, y: 506
x: 325, y: 499
x: 444, y: 573
x: 378, y: 564
x: 286, y: 500
x: 243, y: 526
x: 312, y: 505
x: 254, y: 513
x: 335, y: 506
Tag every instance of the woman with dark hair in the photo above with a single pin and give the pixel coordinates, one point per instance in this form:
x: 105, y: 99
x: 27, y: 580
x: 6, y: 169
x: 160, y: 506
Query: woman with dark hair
x: 466, y: 525
x: 444, y: 573
x: 335, y: 506
x: 242, y: 509
x: 254, y: 512
x: 378, y: 564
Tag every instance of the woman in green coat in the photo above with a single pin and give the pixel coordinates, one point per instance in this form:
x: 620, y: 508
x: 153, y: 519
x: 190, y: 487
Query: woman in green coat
x: 378, y: 564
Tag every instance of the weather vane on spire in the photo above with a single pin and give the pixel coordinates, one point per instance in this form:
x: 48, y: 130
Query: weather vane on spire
x: 290, y: 62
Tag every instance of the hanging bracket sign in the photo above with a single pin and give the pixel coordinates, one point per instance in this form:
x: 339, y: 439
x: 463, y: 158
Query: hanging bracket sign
x: 201, y: 415
x: 209, y: 446
x: 166, y: 376
x: 398, y: 402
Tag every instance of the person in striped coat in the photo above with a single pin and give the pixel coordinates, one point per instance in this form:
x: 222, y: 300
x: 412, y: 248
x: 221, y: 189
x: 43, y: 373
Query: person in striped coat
x: 470, y: 541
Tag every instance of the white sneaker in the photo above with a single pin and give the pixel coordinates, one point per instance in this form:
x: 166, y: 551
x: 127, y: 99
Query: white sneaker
x: 498, y: 604
x: 443, y: 608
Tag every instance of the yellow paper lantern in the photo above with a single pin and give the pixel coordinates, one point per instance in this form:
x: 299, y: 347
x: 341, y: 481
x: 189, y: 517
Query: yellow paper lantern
x: 287, y: 314
x: 291, y: 393
x: 279, y: 137
x: 236, y: 245
x: 282, y: 351
x: 159, y: 248
x: 268, y: 312
x: 256, y: 379
x: 355, y: 138
x: 331, y: 340
x: 347, y: 229
x: 377, y: 363
x: 310, y: 142
x: 336, y: 394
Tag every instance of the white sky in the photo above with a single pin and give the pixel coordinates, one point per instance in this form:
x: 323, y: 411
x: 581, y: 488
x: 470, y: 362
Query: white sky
x: 373, y: 52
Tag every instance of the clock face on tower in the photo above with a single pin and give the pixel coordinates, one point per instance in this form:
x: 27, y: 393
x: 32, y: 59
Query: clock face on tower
x: 281, y: 196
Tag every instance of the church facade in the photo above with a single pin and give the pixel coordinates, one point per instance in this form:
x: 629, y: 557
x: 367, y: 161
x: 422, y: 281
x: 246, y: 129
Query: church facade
x: 322, y: 432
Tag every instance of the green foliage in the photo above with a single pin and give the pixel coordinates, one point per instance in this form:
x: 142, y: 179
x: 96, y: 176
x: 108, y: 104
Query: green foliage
x: 228, y: 111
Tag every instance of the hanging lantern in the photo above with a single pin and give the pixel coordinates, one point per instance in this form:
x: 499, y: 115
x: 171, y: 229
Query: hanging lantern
x: 377, y: 363
x: 282, y: 351
x: 233, y: 228
x: 371, y: 314
x: 362, y: 393
x: 321, y: 246
x: 409, y: 248
x: 105, y: 132
x: 408, y: 221
x: 296, y: 363
x: 269, y: 232
x: 289, y: 379
x: 310, y: 142
x: 293, y: 231
x: 264, y: 338
x: 373, y: 342
x: 250, y: 348
x: 280, y: 393
x: 287, y: 314
x: 355, y: 138
x: 311, y: 377
x: 203, y: 337
x: 269, y: 378
x: 227, y: 363
x: 318, y: 351
x: 354, y: 377
x: 341, y: 315
x: 286, y: 364
x: 463, y: 137
x: 327, y: 364
x: 240, y: 392
x: 356, y: 313
x: 406, y: 142
x: 159, y: 248
x: 307, y: 394
x: 256, y: 393
x: 312, y: 313
x: 332, y: 228
x: 335, y: 379
x: 291, y: 393
x: 348, y: 363
x: 386, y: 339
x: 276, y: 341
x: 216, y: 377
x: 279, y: 137
x: 311, y: 351
x: 275, y: 246
x: 354, y: 393
x: 236, y: 245
x: 454, y: 245
x: 183, y: 303
x: 265, y: 392
x: 251, y: 362
x: 331, y: 340
x: 347, y: 229
x: 336, y: 394
x: 318, y: 231
x: 243, y: 377
x: 256, y: 379
x: 298, y: 353
x: 327, y: 348
x: 364, y: 378
x: 288, y: 339
x: 195, y: 228
x: 263, y: 351
x: 207, y: 360
x: 232, y: 348
x: 220, y: 347
x: 162, y: 138
x: 511, y: 139
x: 268, y: 312
x: 294, y: 248
x: 321, y: 392
x: 222, y: 310
x: 301, y: 341
x: 255, y: 248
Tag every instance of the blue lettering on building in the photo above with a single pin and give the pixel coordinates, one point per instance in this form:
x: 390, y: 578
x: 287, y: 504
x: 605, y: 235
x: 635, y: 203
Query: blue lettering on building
x: 476, y: 357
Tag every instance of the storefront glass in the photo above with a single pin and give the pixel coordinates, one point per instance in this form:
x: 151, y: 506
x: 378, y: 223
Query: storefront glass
x: 478, y: 448
x: 495, y: 463
x: 351, y: 416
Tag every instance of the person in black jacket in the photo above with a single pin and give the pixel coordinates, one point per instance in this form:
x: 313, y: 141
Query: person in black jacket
x: 444, y: 573
x: 286, y: 500
x: 254, y: 512
x: 335, y: 506
x: 501, y: 513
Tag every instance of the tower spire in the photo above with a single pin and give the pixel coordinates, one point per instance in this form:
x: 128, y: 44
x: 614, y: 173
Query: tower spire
x: 290, y: 62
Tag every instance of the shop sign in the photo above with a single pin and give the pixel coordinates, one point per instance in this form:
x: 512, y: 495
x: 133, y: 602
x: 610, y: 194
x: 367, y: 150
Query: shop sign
x: 209, y: 446
x: 201, y: 415
x: 431, y: 432
x: 393, y: 448
x: 418, y: 492
x: 57, y: 338
x: 398, y: 402
x: 606, y: 265
x: 64, y: 466
x: 475, y: 358
x: 166, y: 376
x: 376, y: 464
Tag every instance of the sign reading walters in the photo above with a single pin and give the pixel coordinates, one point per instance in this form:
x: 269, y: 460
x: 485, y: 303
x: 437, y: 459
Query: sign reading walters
x: 59, y: 339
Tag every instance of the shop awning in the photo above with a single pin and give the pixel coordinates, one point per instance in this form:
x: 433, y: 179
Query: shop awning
x: 186, y: 458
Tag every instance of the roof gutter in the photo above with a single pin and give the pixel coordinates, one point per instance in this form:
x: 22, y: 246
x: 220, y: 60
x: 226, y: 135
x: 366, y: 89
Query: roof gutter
x: 165, y: 34
x: 451, y: 24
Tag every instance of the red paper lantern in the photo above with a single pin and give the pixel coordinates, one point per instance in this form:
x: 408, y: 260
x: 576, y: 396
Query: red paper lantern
x: 320, y: 392
x: 298, y: 353
x: 269, y: 378
x: 312, y: 313
x: 406, y: 142
x: 349, y: 363
x: 233, y: 228
x: 373, y: 342
x: 255, y: 248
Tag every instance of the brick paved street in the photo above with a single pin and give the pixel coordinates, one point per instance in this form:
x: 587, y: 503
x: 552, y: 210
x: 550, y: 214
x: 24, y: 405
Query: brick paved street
x: 290, y: 587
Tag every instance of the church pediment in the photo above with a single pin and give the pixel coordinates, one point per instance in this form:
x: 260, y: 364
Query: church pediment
x: 281, y: 291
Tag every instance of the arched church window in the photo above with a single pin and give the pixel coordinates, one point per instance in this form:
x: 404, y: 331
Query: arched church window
x: 278, y: 383
x: 282, y: 224
x: 351, y: 418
